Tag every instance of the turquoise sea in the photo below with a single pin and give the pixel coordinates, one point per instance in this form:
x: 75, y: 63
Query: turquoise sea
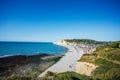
x: 29, y: 48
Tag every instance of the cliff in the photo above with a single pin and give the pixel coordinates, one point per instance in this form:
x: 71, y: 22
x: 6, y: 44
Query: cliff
x: 61, y: 42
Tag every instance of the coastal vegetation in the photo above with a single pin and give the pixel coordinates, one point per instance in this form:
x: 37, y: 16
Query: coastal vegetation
x: 84, y: 41
x: 108, y: 59
x: 65, y: 76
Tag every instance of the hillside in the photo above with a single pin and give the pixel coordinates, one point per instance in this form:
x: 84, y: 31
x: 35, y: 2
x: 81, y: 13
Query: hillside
x: 108, y: 59
x: 84, y: 41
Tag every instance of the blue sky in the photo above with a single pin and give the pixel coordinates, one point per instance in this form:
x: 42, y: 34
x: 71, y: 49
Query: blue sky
x: 52, y: 20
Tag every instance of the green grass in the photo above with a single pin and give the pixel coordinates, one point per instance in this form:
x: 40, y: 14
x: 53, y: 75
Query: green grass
x: 108, y: 59
x: 105, y: 73
x: 67, y: 76
x: 87, y: 58
x: 84, y: 41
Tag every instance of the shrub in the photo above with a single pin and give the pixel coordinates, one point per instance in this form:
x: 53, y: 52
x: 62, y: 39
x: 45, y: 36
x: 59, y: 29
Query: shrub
x: 49, y: 73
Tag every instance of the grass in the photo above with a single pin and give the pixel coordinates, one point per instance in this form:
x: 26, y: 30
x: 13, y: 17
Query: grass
x: 108, y: 59
x: 84, y: 41
x: 66, y: 76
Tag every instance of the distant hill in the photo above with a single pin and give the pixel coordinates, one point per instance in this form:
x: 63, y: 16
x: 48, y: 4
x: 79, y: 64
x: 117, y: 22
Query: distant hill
x: 85, y: 41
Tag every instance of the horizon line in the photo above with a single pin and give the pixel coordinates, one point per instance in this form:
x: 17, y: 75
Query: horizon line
x: 53, y: 41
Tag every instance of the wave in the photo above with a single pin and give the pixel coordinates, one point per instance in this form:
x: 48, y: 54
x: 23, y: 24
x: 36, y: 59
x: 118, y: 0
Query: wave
x: 9, y: 55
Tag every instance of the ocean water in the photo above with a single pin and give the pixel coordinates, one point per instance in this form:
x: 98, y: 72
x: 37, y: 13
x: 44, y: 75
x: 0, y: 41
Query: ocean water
x: 29, y: 48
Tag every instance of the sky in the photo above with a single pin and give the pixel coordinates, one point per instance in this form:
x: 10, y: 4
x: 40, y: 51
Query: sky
x: 53, y: 20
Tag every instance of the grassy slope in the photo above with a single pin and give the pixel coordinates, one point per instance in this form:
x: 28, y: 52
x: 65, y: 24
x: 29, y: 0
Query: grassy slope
x: 84, y: 41
x: 65, y: 76
x: 108, y: 59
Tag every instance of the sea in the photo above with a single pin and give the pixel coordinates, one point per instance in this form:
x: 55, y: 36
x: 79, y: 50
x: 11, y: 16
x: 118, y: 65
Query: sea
x: 30, y: 48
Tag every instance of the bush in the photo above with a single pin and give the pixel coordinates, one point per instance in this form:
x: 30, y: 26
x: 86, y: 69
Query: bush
x: 109, y: 74
x: 70, y: 76
x: 49, y: 73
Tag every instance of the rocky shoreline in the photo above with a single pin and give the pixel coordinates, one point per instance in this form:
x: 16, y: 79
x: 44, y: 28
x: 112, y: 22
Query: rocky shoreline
x: 22, y: 64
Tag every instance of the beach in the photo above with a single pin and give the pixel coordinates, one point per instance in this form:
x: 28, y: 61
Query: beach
x: 68, y: 62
